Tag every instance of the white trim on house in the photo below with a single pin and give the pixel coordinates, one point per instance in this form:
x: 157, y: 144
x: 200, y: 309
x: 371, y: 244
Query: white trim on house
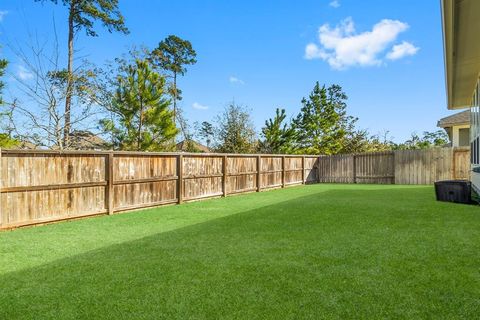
x: 456, y: 136
x: 461, y: 30
x: 475, y: 138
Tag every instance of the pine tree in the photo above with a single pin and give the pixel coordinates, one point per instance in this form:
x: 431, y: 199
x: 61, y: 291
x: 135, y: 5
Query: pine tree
x: 144, y: 118
x: 322, y: 126
x: 277, y: 134
x: 3, y: 66
x: 205, y: 131
x: 172, y: 55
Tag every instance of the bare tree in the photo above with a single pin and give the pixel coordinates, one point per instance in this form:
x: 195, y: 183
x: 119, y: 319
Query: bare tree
x: 44, y: 86
x: 82, y: 15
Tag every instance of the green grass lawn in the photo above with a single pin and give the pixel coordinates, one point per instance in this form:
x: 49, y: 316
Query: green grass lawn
x: 314, y: 252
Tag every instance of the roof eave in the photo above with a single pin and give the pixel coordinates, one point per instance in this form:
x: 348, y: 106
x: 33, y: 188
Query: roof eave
x: 447, y: 32
x: 460, y: 26
x: 449, y: 125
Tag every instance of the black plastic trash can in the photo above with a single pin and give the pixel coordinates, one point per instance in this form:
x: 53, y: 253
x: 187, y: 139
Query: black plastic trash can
x: 458, y: 191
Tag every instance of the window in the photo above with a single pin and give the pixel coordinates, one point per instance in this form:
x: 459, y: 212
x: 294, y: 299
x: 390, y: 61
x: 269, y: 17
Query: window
x: 474, y: 134
x: 464, y: 137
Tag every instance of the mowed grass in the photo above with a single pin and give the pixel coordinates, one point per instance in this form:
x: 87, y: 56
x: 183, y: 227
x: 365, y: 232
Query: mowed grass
x: 314, y: 252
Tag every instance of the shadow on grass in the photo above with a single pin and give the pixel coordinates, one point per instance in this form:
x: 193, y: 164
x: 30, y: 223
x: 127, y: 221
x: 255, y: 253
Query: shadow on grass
x: 344, y: 254
x: 31, y: 247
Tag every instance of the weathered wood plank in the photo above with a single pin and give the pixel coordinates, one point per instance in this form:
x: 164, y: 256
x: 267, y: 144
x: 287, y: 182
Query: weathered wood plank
x: 205, y: 196
x: 53, y: 187
x: 259, y: 172
x: 461, y: 158
x: 109, y: 189
x: 145, y: 205
x: 354, y: 168
x: 224, y: 174
x: 242, y: 173
x: 180, y: 178
x: 303, y: 170
x: 148, y: 180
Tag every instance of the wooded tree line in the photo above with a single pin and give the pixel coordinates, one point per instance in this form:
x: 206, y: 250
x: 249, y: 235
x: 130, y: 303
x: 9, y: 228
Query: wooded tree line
x: 133, y: 102
x: 322, y: 126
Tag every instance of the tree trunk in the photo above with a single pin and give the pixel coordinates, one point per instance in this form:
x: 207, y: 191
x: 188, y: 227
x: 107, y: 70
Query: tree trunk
x: 68, y: 94
x: 140, y: 124
x: 175, y: 97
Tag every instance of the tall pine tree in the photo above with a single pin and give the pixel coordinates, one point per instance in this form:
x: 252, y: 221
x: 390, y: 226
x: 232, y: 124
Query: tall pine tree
x: 145, y: 121
x: 322, y: 126
x: 206, y: 132
x: 3, y: 66
x: 172, y: 55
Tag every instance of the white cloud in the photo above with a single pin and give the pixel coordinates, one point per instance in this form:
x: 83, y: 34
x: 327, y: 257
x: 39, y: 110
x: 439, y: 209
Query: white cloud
x: 3, y: 14
x: 335, y: 4
x: 402, y: 50
x: 343, y: 47
x: 199, y: 106
x: 23, y: 73
x: 312, y: 51
x: 236, y: 80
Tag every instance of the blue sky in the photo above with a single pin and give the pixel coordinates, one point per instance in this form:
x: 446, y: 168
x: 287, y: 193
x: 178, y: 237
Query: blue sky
x: 387, y: 55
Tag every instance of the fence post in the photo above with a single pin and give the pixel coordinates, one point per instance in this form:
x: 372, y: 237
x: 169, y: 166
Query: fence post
x: 109, y: 177
x: 1, y: 186
x: 224, y: 172
x: 393, y: 168
x: 180, y: 178
x: 303, y: 170
x: 283, y: 171
x: 259, y: 168
x: 318, y: 169
x: 454, y: 164
x: 354, y: 169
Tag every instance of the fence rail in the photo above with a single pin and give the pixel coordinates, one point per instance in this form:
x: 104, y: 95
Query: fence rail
x: 38, y: 186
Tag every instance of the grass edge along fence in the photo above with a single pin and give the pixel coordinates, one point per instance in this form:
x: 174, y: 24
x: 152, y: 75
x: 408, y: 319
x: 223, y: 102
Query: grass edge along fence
x: 39, y: 186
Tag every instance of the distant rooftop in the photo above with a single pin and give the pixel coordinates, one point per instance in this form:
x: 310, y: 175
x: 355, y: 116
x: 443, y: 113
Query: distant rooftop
x: 86, y: 140
x: 183, y: 146
x: 455, y: 119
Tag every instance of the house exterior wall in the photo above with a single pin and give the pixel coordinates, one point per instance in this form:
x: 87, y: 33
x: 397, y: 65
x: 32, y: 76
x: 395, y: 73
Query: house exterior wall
x: 458, y: 137
x: 475, y: 138
x: 464, y: 137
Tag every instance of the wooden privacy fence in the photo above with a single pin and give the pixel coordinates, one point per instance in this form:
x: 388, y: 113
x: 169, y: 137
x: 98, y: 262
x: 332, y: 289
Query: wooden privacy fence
x: 396, y: 167
x: 43, y: 186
